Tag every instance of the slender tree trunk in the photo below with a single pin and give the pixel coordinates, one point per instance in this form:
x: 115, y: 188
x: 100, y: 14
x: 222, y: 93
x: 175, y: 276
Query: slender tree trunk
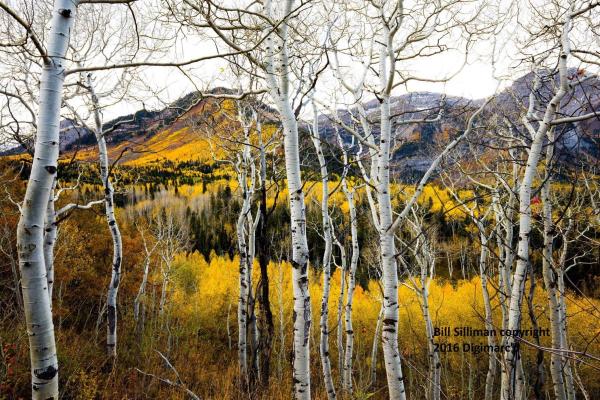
x: 50, y: 235
x: 140, y: 297
x: 550, y: 282
x: 327, y: 237
x: 252, y: 224
x: 435, y: 365
x: 243, y: 279
x: 282, y: 351
x: 375, y: 347
x: 389, y: 338
x: 489, y: 324
x: 538, y: 384
x: 347, y: 377
x: 163, y: 289
x: 511, y: 355
x: 113, y: 226
x: 30, y: 235
x: 564, y: 345
x: 341, y: 311
x: 278, y: 75
x: 504, y: 220
x: 425, y: 259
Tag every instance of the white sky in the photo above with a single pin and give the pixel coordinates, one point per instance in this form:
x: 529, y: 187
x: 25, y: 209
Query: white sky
x: 474, y: 81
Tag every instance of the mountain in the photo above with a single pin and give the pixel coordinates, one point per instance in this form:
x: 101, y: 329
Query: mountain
x: 178, y: 132
x: 416, y: 143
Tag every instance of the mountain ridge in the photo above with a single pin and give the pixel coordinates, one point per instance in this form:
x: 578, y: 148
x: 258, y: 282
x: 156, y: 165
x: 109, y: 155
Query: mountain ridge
x: 174, y: 134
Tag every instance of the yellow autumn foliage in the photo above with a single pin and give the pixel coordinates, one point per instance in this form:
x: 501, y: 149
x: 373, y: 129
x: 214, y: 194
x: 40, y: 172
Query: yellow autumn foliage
x: 206, y: 294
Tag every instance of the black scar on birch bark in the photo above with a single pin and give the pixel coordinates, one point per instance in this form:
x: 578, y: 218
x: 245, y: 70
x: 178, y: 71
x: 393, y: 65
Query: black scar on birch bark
x: 65, y: 12
x: 307, y: 321
x: 46, y: 373
x: 116, y: 267
x: 112, y: 313
x: 50, y: 168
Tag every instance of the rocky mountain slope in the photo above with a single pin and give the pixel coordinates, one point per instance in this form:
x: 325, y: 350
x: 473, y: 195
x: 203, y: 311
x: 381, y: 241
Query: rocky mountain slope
x: 179, y: 132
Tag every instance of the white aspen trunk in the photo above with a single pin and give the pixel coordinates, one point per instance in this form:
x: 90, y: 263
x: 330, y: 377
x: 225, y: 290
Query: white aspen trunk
x: 50, y: 235
x: 484, y: 240
x: 435, y: 365
x: 227, y: 328
x: 277, y: 74
x: 340, y: 305
x: 113, y: 226
x: 509, y: 378
x: 142, y: 290
x: 252, y: 325
x: 425, y: 259
x: 375, y: 347
x: 489, y: 324
x: 551, y: 279
x: 389, y: 339
x: 246, y: 235
x: 504, y: 220
x: 564, y: 345
x: 281, y: 322
x: 327, y: 237
x: 427, y: 264
x: 243, y: 278
x: 340, y: 308
x: 166, y: 272
x: 389, y: 336
x: 347, y: 373
x: 30, y: 235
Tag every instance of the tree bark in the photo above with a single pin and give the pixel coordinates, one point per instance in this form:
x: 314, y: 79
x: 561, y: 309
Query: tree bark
x: 277, y: 75
x: 327, y: 237
x: 30, y: 235
x: 389, y: 337
x: 509, y: 378
x: 50, y: 235
x: 347, y: 373
x: 113, y: 226
x: 551, y: 281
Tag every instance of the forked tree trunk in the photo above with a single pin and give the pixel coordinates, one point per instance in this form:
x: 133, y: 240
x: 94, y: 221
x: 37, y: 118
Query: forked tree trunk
x: 511, y: 377
x: 424, y: 256
x: 244, y: 269
x: 30, y: 231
